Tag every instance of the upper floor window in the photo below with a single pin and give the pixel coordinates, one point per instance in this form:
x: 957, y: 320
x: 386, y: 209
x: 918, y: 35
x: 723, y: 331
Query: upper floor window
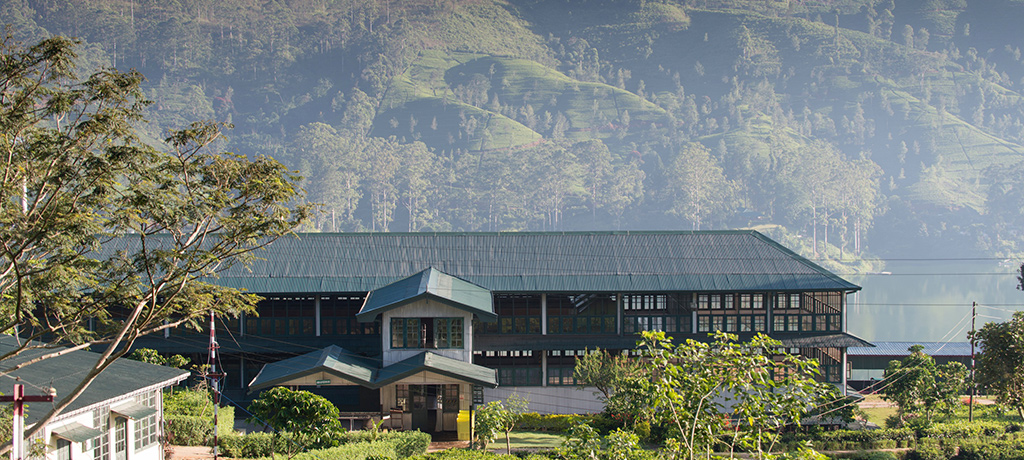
x: 644, y: 302
x: 427, y: 333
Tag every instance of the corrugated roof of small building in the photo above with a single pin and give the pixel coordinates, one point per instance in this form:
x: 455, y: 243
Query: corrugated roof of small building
x: 66, y: 371
x: 960, y: 349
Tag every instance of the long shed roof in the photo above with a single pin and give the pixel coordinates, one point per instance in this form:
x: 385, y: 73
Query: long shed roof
x: 726, y: 261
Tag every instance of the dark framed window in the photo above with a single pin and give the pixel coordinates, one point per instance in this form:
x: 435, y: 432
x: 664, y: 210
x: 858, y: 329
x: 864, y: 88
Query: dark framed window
x: 644, y: 302
x: 338, y: 316
x: 448, y: 333
x: 405, y: 333
x: 583, y: 313
x: 427, y: 333
x: 281, y: 315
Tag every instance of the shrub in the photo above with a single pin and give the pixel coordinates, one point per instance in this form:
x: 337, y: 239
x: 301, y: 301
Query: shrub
x: 188, y: 416
x: 188, y: 430
x: 877, y: 455
x: 411, y: 443
x: 994, y: 450
x: 930, y: 449
x: 926, y: 453
x: 387, y: 446
x: 255, y: 445
x: 557, y: 423
x: 961, y: 430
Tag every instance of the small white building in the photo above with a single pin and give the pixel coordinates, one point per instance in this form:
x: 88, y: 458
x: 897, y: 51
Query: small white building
x: 118, y: 417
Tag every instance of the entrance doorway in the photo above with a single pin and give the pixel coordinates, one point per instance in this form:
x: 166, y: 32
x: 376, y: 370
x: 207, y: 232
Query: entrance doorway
x: 432, y: 408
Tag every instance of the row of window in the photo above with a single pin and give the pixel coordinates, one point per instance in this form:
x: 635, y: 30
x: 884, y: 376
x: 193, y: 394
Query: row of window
x: 427, y: 333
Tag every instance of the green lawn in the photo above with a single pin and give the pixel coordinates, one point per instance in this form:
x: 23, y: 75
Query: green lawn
x: 876, y: 411
x: 527, y: 440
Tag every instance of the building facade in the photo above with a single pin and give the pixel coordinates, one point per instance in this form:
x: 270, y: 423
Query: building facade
x: 118, y: 417
x: 524, y: 306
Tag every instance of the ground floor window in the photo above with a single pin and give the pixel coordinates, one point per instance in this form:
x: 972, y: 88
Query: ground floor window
x: 519, y: 376
x: 146, y: 427
x: 100, y: 445
x: 63, y: 449
x: 559, y: 376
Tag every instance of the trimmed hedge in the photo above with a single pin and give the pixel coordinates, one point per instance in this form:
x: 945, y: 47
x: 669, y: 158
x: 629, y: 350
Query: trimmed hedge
x: 996, y: 450
x: 356, y: 445
x: 557, y: 423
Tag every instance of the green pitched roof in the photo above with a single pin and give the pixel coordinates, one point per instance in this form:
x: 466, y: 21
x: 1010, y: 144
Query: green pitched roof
x: 709, y: 261
x: 432, y: 362
x: 429, y: 284
x: 366, y: 371
x: 64, y: 373
x: 332, y: 360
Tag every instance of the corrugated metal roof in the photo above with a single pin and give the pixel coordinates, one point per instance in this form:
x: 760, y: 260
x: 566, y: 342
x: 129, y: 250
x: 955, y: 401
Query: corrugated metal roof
x: 65, y: 372
x: 367, y: 371
x: 961, y: 349
x: 427, y: 361
x: 331, y: 360
x: 733, y: 261
x: 434, y: 284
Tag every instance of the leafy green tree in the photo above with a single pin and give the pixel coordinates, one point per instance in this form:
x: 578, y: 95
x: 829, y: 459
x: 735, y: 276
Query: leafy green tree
x: 499, y: 417
x: 725, y: 394
x: 604, y: 371
x: 583, y: 442
x: 149, y: 355
x: 312, y: 417
x: 1000, y: 365
x: 75, y: 177
x: 698, y: 185
x: 336, y: 166
x: 917, y: 385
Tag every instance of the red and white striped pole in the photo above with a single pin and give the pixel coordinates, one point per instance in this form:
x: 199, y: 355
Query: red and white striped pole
x: 214, y: 381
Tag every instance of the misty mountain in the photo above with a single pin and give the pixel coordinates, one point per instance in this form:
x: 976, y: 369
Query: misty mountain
x: 842, y: 128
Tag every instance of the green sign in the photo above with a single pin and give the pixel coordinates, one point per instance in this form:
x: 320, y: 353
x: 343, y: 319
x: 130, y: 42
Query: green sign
x: 323, y: 382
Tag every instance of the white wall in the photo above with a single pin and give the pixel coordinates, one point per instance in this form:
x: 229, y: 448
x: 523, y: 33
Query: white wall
x: 550, y: 400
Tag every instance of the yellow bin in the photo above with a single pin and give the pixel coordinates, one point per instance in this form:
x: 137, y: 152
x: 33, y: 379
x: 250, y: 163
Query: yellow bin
x: 463, y: 424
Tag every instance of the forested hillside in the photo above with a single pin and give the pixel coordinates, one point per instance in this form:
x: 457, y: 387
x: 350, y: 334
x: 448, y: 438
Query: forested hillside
x: 844, y: 128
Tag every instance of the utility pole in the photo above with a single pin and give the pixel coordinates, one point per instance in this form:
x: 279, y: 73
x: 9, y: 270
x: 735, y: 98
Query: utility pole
x: 214, y: 377
x: 970, y: 408
x: 19, y: 399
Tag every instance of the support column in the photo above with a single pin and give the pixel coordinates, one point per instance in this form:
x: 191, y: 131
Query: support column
x: 544, y: 314
x: 544, y: 368
x: 618, y: 313
x: 844, y: 370
x: 317, y: 313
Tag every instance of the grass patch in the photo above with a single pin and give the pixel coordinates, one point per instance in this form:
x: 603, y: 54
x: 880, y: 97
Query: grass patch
x: 875, y: 410
x: 527, y: 440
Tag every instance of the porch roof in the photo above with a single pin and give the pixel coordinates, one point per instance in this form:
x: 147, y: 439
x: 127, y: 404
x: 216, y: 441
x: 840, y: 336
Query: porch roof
x: 432, y: 362
x: 332, y: 360
x: 367, y: 372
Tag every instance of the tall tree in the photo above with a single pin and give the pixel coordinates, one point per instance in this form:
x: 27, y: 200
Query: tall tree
x: 336, y: 167
x: 1000, y: 366
x: 698, y: 186
x: 98, y: 228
